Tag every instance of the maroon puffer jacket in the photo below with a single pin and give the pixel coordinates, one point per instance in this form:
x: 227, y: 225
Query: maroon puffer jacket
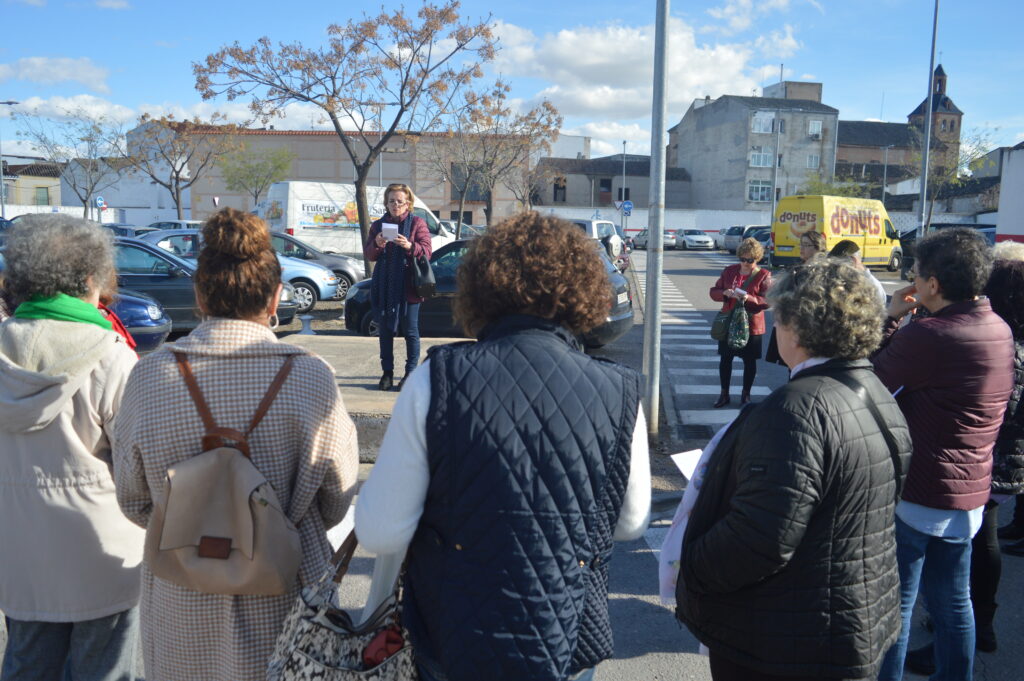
x: 954, y: 373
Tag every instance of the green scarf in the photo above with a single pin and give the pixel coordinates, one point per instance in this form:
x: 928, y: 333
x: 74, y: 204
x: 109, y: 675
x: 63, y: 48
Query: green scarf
x: 62, y: 307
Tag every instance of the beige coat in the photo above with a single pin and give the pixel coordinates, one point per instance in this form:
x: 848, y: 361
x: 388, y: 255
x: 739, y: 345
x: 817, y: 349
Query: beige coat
x: 69, y: 554
x: 305, y: 447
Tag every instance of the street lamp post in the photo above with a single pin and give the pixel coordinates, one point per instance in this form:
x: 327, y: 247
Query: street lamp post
x: 928, y: 113
x: 885, y: 170
x: 625, y: 219
x: 3, y: 186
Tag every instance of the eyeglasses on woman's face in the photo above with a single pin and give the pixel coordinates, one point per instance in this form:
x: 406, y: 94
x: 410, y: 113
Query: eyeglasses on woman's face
x: 397, y: 202
x: 749, y: 261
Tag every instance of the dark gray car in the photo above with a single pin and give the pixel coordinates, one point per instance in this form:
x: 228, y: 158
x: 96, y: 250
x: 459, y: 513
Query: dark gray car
x: 349, y: 270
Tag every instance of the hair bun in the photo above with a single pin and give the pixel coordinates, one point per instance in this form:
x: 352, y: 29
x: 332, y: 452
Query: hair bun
x: 236, y: 233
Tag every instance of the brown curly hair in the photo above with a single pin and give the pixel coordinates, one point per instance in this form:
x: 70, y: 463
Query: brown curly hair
x: 238, y: 271
x: 750, y: 248
x: 531, y: 264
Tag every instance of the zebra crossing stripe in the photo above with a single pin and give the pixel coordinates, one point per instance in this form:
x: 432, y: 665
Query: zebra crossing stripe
x: 707, y: 389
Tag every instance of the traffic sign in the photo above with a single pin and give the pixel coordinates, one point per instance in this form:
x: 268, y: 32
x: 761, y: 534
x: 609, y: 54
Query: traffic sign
x: 627, y: 213
x: 618, y: 205
x: 627, y: 206
x: 100, y: 202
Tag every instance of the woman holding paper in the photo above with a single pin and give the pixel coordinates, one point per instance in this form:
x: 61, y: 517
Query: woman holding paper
x: 395, y: 240
x: 788, y: 563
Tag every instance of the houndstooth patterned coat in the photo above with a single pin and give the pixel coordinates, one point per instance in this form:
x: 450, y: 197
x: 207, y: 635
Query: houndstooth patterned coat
x: 305, y: 447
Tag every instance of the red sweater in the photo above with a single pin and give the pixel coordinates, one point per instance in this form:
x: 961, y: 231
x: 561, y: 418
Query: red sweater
x: 756, y: 286
x: 954, y: 373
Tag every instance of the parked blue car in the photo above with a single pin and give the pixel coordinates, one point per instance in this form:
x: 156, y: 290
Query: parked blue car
x: 312, y: 282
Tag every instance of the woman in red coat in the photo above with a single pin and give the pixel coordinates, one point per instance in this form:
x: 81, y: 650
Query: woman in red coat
x: 392, y: 294
x: 743, y: 283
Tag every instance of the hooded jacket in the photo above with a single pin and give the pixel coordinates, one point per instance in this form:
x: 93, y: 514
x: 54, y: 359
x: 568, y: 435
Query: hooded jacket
x: 69, y: 553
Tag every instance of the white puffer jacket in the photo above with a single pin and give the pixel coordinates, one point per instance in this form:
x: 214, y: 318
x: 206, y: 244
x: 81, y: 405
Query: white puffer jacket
x: 69, y: 554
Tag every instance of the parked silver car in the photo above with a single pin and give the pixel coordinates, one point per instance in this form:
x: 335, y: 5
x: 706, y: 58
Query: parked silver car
x: 737, y: 233
x: 669, y: 240
x: 694, y: 240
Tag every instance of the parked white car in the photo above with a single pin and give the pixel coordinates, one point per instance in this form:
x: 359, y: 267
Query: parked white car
x: 738, y: 233
x: 694, y: 240
x: 719, y: 237
x: 603, y: 231
x: 668, y: 240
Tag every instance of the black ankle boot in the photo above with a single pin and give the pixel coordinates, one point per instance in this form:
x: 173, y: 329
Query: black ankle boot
x: 386, y: 381
x: 745, y: 397
x: 723, y: 399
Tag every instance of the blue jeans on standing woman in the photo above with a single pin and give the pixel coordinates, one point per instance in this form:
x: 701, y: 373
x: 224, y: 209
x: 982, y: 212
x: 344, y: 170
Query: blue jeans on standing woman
x: 103, y: 649
x: 941, y: 567
x: 408, y: 326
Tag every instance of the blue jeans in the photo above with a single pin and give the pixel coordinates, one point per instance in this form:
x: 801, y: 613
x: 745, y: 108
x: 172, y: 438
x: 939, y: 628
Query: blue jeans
x: 941, y: 566
x: 429, y: 673
x: 409, y: 326
x: 102, y: 649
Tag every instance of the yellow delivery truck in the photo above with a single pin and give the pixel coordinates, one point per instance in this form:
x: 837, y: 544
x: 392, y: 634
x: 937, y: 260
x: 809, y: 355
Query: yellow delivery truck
x: 863, y: 221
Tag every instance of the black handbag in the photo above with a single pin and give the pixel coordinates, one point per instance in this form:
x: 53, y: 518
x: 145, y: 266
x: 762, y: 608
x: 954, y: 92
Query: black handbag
x: 423, y: 277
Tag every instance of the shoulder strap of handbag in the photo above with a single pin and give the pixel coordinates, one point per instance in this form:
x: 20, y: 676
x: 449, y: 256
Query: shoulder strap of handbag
x: 859, y: 389
x: 215, y: 434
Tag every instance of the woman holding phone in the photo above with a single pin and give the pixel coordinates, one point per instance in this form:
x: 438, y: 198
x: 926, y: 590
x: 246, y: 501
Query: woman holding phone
x: 394, y: 241
x: 742, y: 284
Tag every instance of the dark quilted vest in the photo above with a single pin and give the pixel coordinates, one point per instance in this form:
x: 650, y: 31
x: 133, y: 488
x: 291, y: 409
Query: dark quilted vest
x: 529, y: 445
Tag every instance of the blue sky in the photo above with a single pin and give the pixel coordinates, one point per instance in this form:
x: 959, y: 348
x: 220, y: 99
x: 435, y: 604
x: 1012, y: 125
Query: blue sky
x: 591, y: 58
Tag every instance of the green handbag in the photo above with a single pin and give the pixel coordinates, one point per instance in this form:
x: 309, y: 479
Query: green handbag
x: 739, y: 328
x: 720, y: 327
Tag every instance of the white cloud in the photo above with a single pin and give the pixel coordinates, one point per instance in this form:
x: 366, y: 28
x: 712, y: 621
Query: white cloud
x: 113, y: 4
x: 606, y: 72
x: 20, y: 147
x: 808, y: 76
x: 739, y: 15
x: 778, y: 44
x: 58, y: 108
x: 52, y: 70
x: 602, y: 134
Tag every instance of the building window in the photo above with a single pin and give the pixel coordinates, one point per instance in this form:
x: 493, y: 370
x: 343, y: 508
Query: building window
x: 759, y: 190
x: 782, y: 125
x: 763, y: 121
x: 474, y: 190
x: 780, y: 160
x: 559, y: 195
x: 814, y: 128
x: 760, y: 157
x: 42, y: 197
x: 604, y: 191
x: 813, y: 160
x: 943, y: 125
x: 621, y: 197
x: 952, y: 126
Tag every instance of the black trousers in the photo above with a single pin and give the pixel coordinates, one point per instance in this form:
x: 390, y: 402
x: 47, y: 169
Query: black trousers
x: 986, y: 566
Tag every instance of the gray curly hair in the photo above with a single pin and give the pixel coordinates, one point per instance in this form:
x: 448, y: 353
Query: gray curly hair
x: 53, y: 253
x: 831, y: 307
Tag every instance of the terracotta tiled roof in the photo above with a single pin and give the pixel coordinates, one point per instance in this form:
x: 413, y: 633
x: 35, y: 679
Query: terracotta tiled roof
x: 35, y: 169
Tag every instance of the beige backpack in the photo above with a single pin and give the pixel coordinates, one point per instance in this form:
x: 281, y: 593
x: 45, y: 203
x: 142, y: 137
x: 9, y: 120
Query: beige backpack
x: 217, y: 526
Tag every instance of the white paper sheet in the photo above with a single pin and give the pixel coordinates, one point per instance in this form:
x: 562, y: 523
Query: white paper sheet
x: 686, y: 462
x: 389, y: 231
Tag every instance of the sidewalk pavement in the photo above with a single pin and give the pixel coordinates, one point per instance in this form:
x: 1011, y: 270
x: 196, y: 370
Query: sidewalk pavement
x: 356, y: 363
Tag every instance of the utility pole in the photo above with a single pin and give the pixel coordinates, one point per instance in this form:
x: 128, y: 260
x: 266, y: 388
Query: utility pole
x: 928, y: 126
x: 655, y: 227
x: 3, y: 186
x: 625, y: 218
x: 885, y: 170
x: 776, y: 160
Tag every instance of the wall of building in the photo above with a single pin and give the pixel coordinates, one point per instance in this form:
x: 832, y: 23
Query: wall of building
x: 793, y: 89
x: 134, y: 198
x: 708, y: 220
x: 584, y: 191
x: 320, y: 157
x: 23, y: 190
x: 896, y: 157
x: 714, y: 142
x: 1011, y: 197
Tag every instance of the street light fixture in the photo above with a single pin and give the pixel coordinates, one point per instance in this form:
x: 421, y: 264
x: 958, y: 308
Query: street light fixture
x: 3, y: 187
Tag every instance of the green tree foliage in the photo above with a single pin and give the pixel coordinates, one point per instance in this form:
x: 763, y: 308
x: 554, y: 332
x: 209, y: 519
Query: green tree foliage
x: 253, y: 170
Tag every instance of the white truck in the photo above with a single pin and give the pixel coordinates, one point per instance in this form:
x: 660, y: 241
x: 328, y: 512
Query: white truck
x: 324, y: 215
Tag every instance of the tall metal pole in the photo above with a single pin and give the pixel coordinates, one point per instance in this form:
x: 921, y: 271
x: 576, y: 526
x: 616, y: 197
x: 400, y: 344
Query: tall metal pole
x: 655, y: 227
x: 928, y: 126
x: 3, y: 186
x: 885, y: 171
x: 625, y: 218
x: 776, y: 160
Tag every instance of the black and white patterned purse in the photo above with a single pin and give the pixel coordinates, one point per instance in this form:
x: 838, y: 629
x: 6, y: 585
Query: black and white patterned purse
x: 320, y: 641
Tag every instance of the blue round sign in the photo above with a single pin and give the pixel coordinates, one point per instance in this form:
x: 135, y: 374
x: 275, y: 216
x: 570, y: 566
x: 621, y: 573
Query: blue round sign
x: 627, y: 206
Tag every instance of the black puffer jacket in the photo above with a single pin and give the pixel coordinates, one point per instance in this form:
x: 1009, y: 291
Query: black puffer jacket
x: 1008, y: 454
x: 789, y: 561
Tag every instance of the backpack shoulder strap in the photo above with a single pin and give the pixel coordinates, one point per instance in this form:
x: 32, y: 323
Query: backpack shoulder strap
x: 271, y: 393
x: 193, y: 389
x: 861, y: 391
